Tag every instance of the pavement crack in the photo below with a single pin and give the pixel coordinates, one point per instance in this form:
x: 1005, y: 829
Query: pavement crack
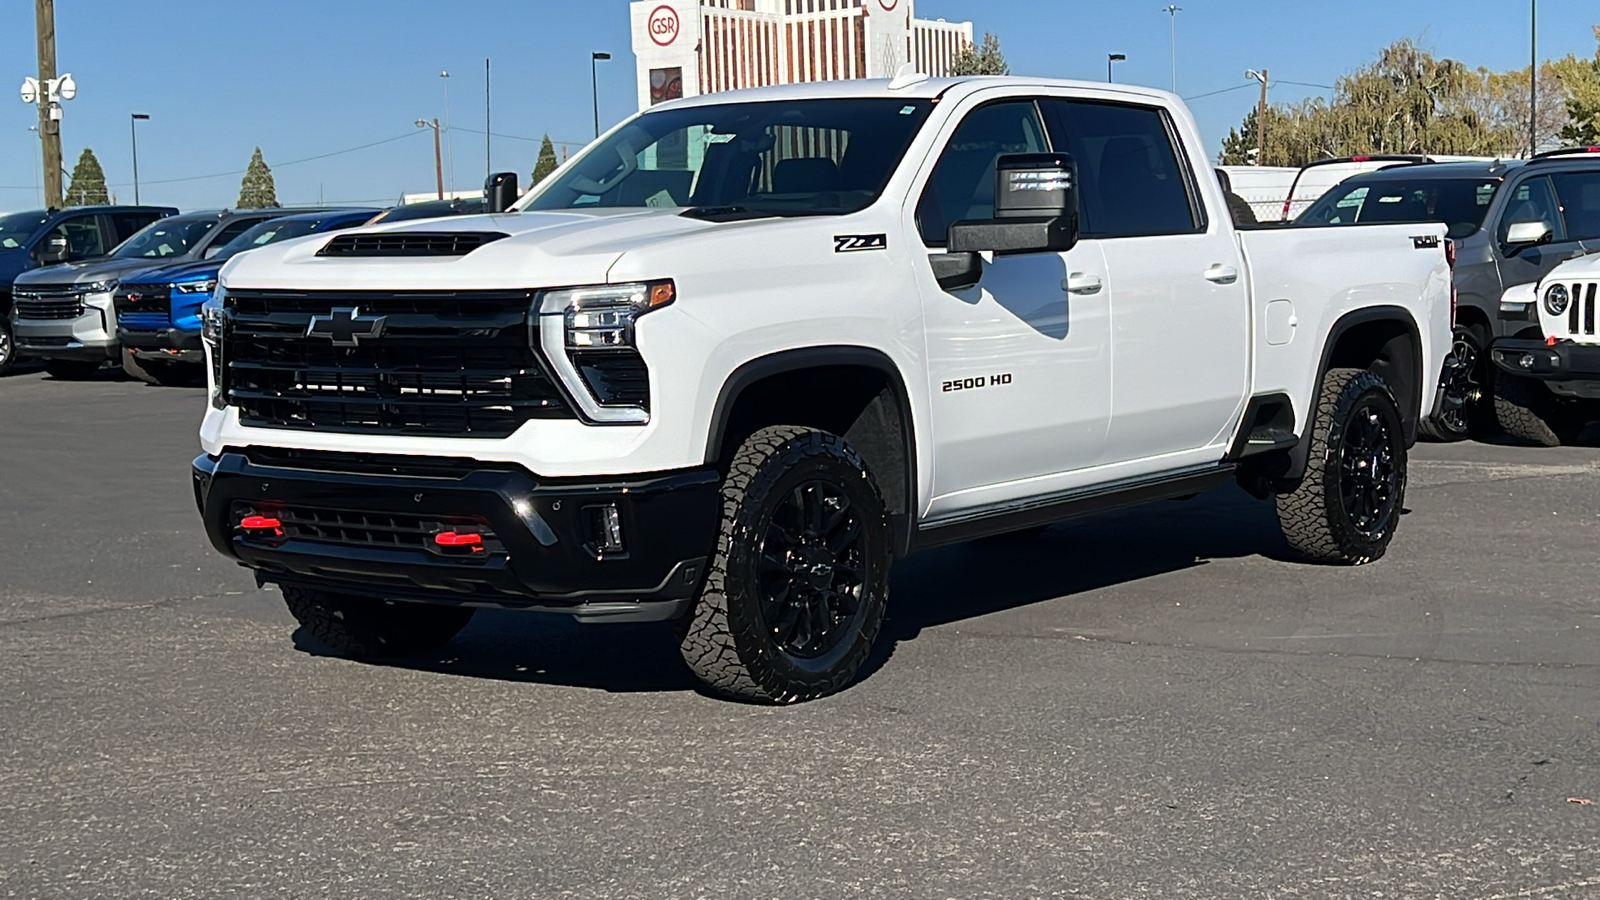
x: 165, y: 603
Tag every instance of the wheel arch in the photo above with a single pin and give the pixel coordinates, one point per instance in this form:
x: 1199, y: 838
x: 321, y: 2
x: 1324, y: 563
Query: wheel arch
x: 854, y: 391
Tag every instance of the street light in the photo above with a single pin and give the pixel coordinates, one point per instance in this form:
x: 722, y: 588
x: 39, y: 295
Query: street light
x: 1533, y: 79
x: 1172, y: 9
x: 594, y: 84
x: 438, y: 165
x: 449, y: 142
x: 133, y: 122
x: 1113, y: 58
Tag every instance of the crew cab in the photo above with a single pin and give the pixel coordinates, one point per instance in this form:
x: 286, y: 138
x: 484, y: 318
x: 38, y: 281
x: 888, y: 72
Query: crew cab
x: 44, y: 237
x: 1510, y: 222
x: 158, y: 309
x: 1548, y: 384
x: 732, y: 361
x: 64, y: 312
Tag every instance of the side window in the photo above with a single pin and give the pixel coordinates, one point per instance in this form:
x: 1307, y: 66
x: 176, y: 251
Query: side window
x: 1579, y: 193
x: 228, y: 232
x: 1533, y: 201
x: 127, y: 223
x: 962, y: 184
x: 84, y: 239
x: 1133, y: 183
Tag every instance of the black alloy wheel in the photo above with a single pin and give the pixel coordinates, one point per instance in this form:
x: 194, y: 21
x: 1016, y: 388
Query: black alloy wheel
x: 1464, y: 388
x: 1369, y: 481
x: 811, y: 570
x: 8, y: 348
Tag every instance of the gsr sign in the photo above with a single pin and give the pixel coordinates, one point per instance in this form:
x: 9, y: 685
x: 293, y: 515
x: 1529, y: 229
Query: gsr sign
x: 663, y: 25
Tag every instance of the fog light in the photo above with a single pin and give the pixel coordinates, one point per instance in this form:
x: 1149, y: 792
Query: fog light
x: 1525, y: 361
x: 605, y: 527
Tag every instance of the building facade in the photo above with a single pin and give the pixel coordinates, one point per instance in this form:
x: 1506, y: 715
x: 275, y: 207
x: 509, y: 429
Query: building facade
x: 685, y: 48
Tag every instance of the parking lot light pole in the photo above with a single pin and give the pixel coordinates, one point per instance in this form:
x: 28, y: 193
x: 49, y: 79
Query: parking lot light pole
x: 594, y: 84
x: 1533, y: 78
x: 1172, y: 9
x: 133, y: 129
x: 438, y: 163
x: 1113, y: 58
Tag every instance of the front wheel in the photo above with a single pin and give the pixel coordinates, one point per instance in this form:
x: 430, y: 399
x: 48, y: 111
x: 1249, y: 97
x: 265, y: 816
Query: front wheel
x: 365, y: 627
x: 798, y: 584
x: 1346, y: 507
x: 1527, y: 410
x: 8, y: 347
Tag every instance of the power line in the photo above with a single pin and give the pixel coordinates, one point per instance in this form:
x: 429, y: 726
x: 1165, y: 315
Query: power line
x: 1326, y: 87
x: 281, y: 165
x: 1223, y: 91
x: 532, y: 140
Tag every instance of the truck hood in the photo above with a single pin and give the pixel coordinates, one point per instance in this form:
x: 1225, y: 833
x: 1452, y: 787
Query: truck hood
x: 1584, y: 267
x: 88, y: 271
x: 542, y: 249
x: 190, y: 271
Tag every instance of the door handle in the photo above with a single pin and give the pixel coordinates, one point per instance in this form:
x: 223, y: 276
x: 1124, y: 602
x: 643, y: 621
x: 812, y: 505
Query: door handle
x: 1221, y: 274
x: 1081, y: 284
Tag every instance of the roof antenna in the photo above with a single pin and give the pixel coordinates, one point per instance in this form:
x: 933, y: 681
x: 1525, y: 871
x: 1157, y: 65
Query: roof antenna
x: 907, y: 76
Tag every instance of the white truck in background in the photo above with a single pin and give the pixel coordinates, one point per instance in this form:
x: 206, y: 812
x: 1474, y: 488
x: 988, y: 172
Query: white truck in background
x: 732, y: 361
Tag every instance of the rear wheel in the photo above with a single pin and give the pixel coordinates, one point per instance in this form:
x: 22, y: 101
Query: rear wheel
x: 367, y: 627
x: 8, y: 347
x: 1465, y: 390
x: 166, y: 373
x: 1527, y: 410
x: 72, y: 369
x: 1346, y: 507
x: 798, y: 584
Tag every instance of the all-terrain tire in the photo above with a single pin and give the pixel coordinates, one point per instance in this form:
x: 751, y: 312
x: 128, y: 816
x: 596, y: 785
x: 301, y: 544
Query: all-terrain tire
x: 162, y: 373
x: 1316, y: 517
x: 741, y: 638
x: 72, y: 369
x: 365, y: 627
x: 8, y: 344
x: 1527, y: 410
x: 1469, y: 386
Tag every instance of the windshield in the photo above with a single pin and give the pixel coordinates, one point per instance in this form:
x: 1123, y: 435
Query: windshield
x: 165, y: 238
x: 1460, y: 204
x: 268, y: 232
x: 796, y: 157
x: 16, y: 228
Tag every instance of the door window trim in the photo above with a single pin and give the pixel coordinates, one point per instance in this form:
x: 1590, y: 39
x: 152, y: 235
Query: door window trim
x: 938, y: 156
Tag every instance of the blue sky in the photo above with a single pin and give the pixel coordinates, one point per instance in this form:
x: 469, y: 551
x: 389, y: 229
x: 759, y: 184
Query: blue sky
x: 306, y: 77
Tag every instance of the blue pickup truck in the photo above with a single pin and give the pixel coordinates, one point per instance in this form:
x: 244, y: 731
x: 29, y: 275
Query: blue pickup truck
x: 158, y: 309
x: 44, y: 237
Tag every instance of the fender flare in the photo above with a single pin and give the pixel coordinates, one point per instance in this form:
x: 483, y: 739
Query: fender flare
x: 784, y: 361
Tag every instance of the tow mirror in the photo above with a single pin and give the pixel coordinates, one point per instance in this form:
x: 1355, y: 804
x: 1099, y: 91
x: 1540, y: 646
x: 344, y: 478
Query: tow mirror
x: 499, y: 192
x: 55, y: 249
x: 1527, y: 234
x: 1035, y: 208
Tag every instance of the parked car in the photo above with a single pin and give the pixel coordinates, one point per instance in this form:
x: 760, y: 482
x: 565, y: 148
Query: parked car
x: 430, y: 209
x: 158, y: 309
x: 1510, y: 223
x: 725, y: 372
x: 1549, y: 387
x: 64, y: 312
x: 45, y: 237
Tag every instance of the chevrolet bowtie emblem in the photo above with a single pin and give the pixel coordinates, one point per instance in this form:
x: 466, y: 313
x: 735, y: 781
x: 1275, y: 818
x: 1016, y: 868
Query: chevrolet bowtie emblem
x: 346, y: 327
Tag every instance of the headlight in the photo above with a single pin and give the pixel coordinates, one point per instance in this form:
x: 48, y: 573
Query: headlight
x: 587, y: 334
x: 195, y: 287
x: 213, y: 326
x: 99, y: 287
x: 1556, y: 299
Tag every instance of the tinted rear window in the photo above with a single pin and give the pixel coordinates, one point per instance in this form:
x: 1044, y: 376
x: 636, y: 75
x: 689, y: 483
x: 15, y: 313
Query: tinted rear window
x: 1460, y: 204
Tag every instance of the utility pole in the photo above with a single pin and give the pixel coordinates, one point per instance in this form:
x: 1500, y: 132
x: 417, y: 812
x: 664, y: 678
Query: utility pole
x: 438, y: 164
x: 1261, y: 116
x: 44, y: 16
x: 1533, y: 80
x: 1172, y: 10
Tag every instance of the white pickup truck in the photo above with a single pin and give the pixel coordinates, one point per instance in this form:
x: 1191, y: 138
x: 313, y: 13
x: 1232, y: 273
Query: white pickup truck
x: 740, y: 355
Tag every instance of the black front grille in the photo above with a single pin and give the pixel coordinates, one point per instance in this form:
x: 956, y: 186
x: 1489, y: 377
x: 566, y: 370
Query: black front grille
x: 142, y: 298
x: 410, y: 243
x: 447, y: 364
x: 47, y: 305
x: 1580, y: 315
x: 361, y: 528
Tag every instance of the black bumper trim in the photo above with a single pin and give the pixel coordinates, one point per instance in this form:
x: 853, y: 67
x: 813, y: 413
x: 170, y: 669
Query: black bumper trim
x: 160, y: 339
x: 550, y: 564
x: 1561, y: 361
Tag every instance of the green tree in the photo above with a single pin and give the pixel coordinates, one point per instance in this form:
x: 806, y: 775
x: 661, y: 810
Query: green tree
x: 88, y: 182
x: 257, y: 190
x: 981, y: 59
x: 1582, y: 82
x: 546, y: 162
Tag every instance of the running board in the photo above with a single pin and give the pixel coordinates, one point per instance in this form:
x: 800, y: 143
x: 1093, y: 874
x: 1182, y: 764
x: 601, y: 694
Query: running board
x: 1032, y: 513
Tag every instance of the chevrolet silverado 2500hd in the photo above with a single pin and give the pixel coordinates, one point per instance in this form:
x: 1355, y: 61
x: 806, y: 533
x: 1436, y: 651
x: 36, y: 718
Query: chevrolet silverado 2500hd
x: 741, y: 354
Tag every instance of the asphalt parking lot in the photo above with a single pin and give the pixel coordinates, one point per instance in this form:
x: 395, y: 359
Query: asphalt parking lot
x: 1149, y: 704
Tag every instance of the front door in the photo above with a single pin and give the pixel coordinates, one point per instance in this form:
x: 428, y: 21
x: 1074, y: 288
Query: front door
x: 1534, y: 200
x: 1019, y: 366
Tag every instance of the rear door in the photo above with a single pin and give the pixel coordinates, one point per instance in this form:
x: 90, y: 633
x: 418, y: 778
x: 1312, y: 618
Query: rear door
x: 1180, y: 309
x: 1579, y: 196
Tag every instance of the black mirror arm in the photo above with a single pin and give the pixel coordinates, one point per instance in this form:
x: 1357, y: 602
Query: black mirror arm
x: 955, y: 271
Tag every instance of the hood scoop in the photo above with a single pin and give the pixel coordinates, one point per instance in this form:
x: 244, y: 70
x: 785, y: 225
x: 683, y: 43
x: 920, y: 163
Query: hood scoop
x: 410, y: 243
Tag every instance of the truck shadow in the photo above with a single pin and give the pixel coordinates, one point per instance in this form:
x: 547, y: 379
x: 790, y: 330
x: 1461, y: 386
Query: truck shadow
x: 941, y: 586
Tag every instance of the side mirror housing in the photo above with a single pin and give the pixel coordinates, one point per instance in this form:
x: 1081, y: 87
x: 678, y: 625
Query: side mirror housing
x: 1035, y: 208
x: 55, y: 249
x: 499, y: 192
x: 1527, y: 234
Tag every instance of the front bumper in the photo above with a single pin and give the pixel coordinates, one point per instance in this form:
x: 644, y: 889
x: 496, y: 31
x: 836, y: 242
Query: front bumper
x: 89, y: 336
x: 1569, y: 369
x: 164, y: 343
x: 542, y: 531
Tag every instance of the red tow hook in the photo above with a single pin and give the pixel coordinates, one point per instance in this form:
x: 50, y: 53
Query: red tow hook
x: 262, y: 523
x: 453, y: 539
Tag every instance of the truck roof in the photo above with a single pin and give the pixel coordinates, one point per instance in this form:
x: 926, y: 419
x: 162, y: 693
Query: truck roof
x: 925, y: 89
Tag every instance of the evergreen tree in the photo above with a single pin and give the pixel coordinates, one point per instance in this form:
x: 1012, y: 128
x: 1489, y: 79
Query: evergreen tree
x: 257, y: 191
x: 88, y: 182
x: 981, y: 59
x: 1582, y: 83
x: 546, y: 163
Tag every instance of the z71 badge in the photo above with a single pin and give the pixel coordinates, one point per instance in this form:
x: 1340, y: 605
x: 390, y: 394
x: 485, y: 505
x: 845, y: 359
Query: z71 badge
x: 854, y: 243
